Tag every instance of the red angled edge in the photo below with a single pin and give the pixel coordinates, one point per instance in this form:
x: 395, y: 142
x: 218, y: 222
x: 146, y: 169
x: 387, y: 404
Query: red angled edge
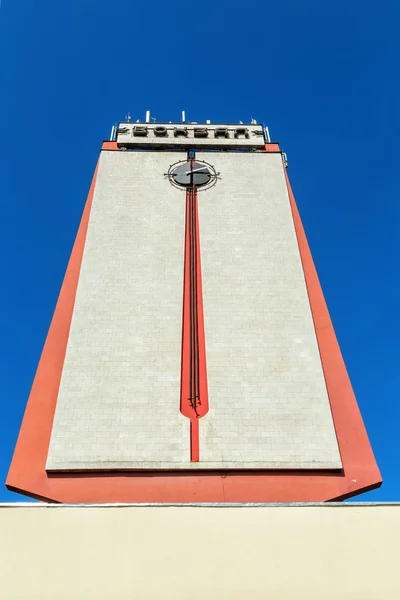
x: 28, y: 476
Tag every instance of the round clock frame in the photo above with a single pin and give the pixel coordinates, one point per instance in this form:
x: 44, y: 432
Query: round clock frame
x: 189, y: 174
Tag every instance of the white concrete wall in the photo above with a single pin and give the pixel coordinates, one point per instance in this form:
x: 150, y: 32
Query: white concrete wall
x: 268, y: 401
x: 118, y: 402
x: 179, y: 553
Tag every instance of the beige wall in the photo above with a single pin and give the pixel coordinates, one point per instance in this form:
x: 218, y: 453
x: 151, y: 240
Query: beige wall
x: 346, y: 552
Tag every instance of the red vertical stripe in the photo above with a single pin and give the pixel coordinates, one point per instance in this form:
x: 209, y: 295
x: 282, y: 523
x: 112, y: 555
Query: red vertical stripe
x: 194, y: 396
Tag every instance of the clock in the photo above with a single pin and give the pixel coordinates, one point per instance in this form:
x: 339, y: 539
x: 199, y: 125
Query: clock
x: 189, y: 174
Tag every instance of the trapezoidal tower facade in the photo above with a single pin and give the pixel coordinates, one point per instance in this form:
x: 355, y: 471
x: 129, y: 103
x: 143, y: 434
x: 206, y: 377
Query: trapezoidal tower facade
x: 191, y: 357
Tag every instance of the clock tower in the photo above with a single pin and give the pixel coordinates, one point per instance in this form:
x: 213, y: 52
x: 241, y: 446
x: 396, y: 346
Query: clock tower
x: 191, y: 357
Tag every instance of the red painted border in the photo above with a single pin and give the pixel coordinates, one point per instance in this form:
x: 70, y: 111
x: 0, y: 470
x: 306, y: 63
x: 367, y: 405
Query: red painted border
x: 28, y: 463
x: 27, y: 472
x: 360, y: 468
x: 110, y: 146
x: 271, y: 147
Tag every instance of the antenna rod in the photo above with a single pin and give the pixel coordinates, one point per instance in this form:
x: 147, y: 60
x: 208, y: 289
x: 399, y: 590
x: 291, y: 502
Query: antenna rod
x: 147, y: 116
x: 183, y: 116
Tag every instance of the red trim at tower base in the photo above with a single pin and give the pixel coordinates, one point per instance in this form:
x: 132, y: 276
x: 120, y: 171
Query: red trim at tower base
x: 27, y: 473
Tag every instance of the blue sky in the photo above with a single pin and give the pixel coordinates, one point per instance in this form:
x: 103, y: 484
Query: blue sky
x: 323, y: 77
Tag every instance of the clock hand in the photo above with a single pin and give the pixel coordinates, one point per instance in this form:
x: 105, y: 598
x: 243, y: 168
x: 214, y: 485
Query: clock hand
x: 197, y: 170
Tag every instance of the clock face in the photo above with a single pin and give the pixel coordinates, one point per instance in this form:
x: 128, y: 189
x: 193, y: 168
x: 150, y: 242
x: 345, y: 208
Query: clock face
x: 191, y: 174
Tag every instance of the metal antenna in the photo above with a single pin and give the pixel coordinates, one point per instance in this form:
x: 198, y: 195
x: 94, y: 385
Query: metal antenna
x: 147, y: 116
x: 128, y: 117
x: 183, y: 116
